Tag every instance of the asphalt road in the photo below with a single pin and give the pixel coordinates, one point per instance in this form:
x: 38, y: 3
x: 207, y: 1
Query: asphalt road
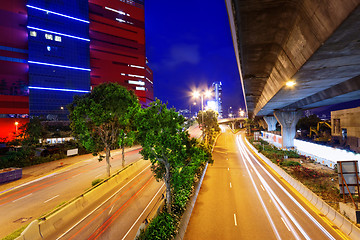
x: 29, y: 201
x: 120, y: 215
x: 241, y: 198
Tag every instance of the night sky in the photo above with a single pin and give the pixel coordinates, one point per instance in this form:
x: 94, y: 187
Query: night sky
x: 189, y: 46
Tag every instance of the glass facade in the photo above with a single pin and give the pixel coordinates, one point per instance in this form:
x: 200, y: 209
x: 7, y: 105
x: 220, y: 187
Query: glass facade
x: 59, y: 64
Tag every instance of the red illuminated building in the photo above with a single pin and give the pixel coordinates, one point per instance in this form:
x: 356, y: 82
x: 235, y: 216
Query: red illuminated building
x: 14, y: 97
x: 117, y: 46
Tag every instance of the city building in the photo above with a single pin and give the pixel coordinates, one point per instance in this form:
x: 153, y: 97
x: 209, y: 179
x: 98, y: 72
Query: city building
x: 345, y: 128
x: 117, y: 46
x: 52, y: 50
x: 58, y: 43
x: 216, y: 103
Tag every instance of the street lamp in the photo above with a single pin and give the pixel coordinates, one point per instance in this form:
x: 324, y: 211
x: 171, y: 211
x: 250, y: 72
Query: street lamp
x: 197, y: 94
x: 242, y: 113
x: 290, y: 83
x: 16, y: 127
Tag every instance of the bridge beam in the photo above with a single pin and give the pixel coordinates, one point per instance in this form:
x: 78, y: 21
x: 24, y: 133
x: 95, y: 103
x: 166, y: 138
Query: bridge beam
x: 271, y: 122
x: 288, y: 121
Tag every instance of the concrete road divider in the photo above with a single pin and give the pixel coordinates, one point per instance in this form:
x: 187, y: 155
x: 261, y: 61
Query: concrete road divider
x: 30, y: 232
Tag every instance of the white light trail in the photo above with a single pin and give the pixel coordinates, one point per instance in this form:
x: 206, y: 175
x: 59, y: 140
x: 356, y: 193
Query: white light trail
x: 292, y: 198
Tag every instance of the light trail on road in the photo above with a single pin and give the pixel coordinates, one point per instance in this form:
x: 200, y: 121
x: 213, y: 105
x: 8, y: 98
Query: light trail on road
x: 121, y: 213
x: 282, y: 209
x: 30, y: 200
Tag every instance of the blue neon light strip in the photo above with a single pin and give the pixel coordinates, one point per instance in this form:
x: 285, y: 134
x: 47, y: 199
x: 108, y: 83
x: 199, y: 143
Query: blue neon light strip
x: 62, y: 34
x: 11, y: 49
x: 57, y: 65
x: 9, y: 59
x: 59, y: 14
x: 59, y: 89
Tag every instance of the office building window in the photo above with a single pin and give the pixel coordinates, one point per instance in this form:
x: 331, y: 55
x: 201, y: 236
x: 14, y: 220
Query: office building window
x: 49, y: 36
x: 33, y: 33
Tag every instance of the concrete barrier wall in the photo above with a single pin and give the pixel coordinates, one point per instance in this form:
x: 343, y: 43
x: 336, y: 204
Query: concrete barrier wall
x: 339, y: 220
x: 78, y: 207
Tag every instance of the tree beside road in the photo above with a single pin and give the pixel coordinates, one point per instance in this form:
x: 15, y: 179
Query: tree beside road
x: 176, y: 159
x: 208, y: 120
x: 100, y: 120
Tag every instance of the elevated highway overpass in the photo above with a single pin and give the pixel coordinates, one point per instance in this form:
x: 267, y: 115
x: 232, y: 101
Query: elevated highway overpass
x: 315, y: 44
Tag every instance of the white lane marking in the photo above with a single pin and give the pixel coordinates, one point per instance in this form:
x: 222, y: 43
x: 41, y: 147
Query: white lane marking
x: 285, y: 224
x: 262, y: 187
x: 251, y: 170
x: 230, y: 185
x: 71, y: 228
x: 235, y: 219
x: 272, y: 224
x: 143, y: 211
x: 294, y: 200
x: 22, y: 197
x: 98, y: 176
x: 111, y: 209
x: 51, y: 198
x: 228, y: 169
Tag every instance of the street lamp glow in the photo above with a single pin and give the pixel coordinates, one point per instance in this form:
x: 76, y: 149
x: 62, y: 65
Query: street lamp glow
x: 196, y: 94
x: 290, y: 83
x: 16, y: 128
x: 207, y: 93
x: 202, y: 94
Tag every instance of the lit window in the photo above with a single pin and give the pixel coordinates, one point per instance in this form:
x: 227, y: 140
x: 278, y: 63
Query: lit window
x: 136, y: 82
x: 140, y: 88
x: 33, y: 33
x: 58, y: 38
x: 120, y: 20
x: 49, y: 36
x: 137, y: 76
x: 48, y: 48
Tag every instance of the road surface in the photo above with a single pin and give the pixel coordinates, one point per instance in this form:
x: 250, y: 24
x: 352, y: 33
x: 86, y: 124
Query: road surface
x: 240, y: 198
x: 120, y: 215
x: 29, y: 201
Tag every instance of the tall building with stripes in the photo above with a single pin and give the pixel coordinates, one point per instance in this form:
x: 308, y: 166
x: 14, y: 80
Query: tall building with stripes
x: 51, y: 50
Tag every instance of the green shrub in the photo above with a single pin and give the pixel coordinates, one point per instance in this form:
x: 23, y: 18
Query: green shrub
x: 96, y: 181
x: 290, y: 163
x: 15, y: 234
x: 161, y: 227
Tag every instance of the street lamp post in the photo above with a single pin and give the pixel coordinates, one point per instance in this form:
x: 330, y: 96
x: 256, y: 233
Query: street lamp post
x: 16, y: 127
x: 202, y: 94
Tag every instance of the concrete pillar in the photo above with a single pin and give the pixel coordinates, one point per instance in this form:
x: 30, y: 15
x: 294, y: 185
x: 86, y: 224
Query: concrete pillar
x: 271, y: 122
x: 288, y: 121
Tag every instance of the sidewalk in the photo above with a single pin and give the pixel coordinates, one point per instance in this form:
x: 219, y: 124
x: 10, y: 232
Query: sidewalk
x: 35, y: 172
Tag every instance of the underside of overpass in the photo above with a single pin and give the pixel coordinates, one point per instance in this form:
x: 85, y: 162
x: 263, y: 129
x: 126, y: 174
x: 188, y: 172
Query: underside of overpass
x: 315, y: 43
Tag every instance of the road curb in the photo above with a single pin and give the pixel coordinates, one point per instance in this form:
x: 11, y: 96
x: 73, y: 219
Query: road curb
x: 347, y: 227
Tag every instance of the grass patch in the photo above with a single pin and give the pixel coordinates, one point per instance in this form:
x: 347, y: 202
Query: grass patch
x: 15, y: 234
x: 96, y: 181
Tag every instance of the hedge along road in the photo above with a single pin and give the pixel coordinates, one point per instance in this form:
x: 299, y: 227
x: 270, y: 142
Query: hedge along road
x: 23, y: 204
x: 241, y: 199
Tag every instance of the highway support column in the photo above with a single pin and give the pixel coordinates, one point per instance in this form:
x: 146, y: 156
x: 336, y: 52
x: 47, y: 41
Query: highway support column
x: 288, y: 121
x: 271, y: 122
